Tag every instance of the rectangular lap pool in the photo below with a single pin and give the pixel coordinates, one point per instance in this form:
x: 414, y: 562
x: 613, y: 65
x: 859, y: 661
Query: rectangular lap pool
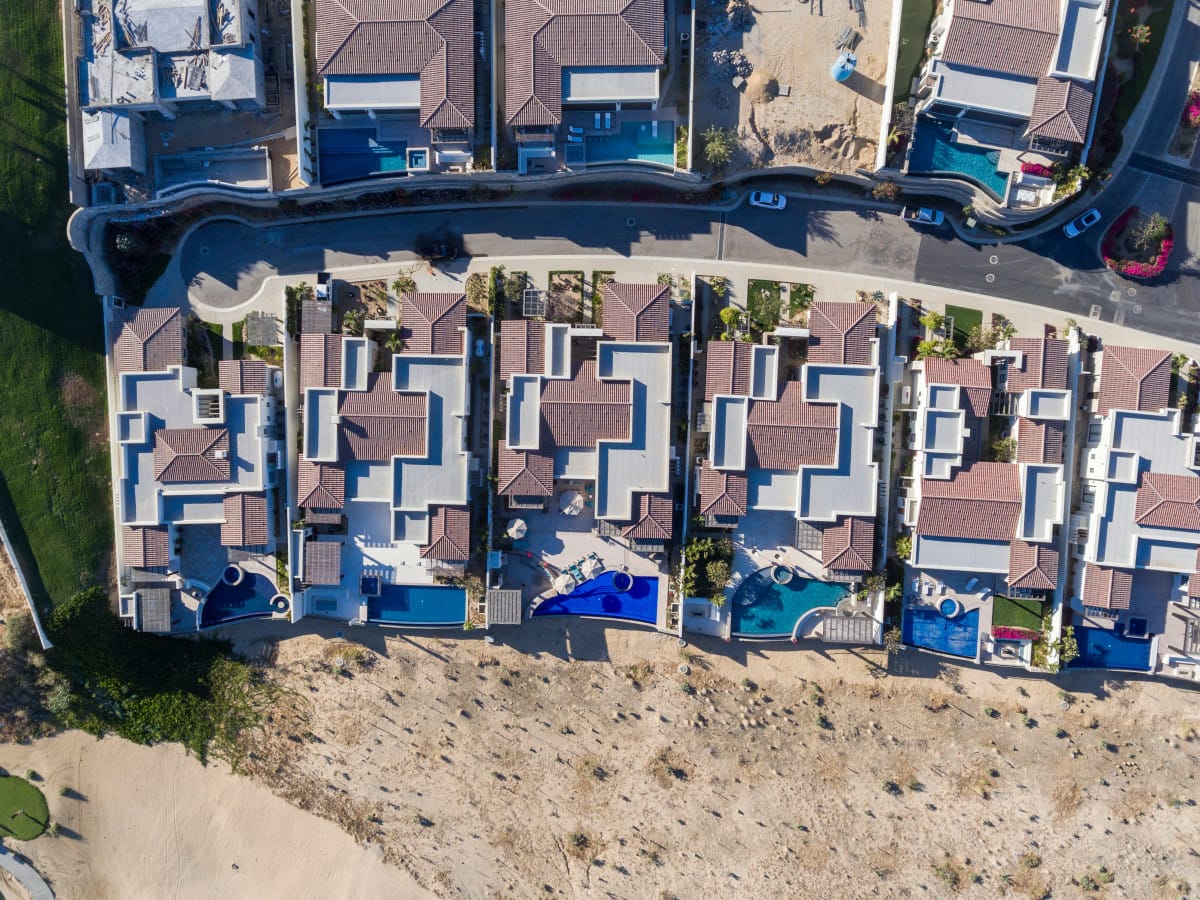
x: 418, y: 604
x: 929, y: 629
x: 347, y: 154
x: 1100, y: 648
x: 638, y: 141
x: 601, y: 598
x: 934, y: 151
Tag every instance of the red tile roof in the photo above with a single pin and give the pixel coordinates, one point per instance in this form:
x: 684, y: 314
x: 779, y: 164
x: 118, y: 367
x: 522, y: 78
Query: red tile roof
x: 841, y: 333
x: 430, y: 322
x: 980, y: 502
x: 522, y: 348
x: 1044, y: 364
x: 543, y: 37
x: 322, y: 562
x: 1106, y: 588
x: 379, y: 423
x: 581, y: 410
x: 1040, y: 442
x: 243, y: 376
x: 1013, y: 36
x: 651, y: 518
x: 320, y: 485
x: 788, y: 433
x: 1194, y: 580
x: 971, y: 375
x: 184, y: 455
x: 1062, y: 109
x: 245, y: 520
x: 449, y: 534
x: 148, y: 340
x: 637, y: 312
x: 727, y: 368
x: 848, y: 545
x: 320, y: 360
x: 524, y: 473
x: 1033, y: 567
x: 1134, y: 378
x: 1168, y: 501
x: 430, y: 38
x: 146, y: 547
x: 722, y: 493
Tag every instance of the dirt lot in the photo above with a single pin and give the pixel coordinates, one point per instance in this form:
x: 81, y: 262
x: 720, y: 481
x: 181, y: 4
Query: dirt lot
x: 790, y: 45
x: 578, y: 761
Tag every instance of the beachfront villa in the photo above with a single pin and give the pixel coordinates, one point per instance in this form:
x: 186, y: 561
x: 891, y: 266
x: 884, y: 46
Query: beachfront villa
x: 197, y: 473
x: 380, y: 513
x: 792, y: 473
x: 988, y: 498
x: 1136, y: 596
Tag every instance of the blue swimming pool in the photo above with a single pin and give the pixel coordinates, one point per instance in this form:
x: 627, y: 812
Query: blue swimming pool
x: 350, y: 153
x: 230, y: 602
x: 929, y: 629
x: 1100, y: 648
x: 599, y: 597
x: 418, y: 604
x: 637, y: 141
x: 763, y: 608
x: 934, y: 150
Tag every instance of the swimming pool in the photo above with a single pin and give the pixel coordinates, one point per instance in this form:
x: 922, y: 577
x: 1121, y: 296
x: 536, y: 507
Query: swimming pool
x: 599, y: 597
x: 762, y: 607
x: 418, y: 604
x: 934, y: 151
x: 637, y: 141
x: 1100, y: 648
x: 929, y: 629
x: 350, y: 153
x: 230, y: 602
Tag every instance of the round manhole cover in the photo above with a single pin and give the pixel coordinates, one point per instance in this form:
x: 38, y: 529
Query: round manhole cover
x: 204, y: 251
x: 1131, y: 291
x: 631, y: 221
x: 1137, y: 308
x: 993, y: 259
x: 989, y: 277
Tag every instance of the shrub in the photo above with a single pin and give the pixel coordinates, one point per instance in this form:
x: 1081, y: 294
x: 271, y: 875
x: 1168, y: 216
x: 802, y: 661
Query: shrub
x: 893, y: 641
x: 1032, y: 168
x: 823, y: 178
x: 719, y: 144
x: 404, y: 284
x: 1191, y: 112
x: 903, y: 546
x: 886, y: 190
x: 19, y: 634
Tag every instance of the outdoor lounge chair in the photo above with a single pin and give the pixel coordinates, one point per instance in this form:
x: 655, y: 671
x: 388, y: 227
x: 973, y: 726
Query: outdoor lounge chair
x: 574, y: 138
x: 574, y: 129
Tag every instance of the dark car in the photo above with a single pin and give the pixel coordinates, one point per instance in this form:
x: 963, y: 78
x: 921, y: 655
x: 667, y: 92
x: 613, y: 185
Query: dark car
x: 438, y: 250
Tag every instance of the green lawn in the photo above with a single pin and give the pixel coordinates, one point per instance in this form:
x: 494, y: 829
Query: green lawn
x: 23, y: 811
x: 762, y: 304
x: 1131, y: 91
x: 965, y: 318
x: 54, y: 495
x: 1017, y: 613
x: 239, y: 344
x: 800, y: 298
x: 216, y: 340
x: 915, y: 19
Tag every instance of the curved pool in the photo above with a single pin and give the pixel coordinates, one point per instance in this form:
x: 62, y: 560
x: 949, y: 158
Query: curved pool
x: 762, y: 607
x: 603, y: 598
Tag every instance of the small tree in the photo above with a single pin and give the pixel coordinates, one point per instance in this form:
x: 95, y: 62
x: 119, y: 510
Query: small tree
x: 1067, y: 646
x: 719, y: 144
x: 981, y: 338
x: 933, y: 321
x: 476, y: 292
x: 731, y: 317
x: 718, y: 573
x: 893, y: 641
x: 352, y: 322
x: 1150, y: 232
x: 1140, y: 35
x: 942, y: 348
x: 394, y: 342
x: 404, y: 284
x: 903, y: 547
x: 1004, y: 450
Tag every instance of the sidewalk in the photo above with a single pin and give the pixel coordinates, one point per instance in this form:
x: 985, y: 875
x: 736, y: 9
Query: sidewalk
x: 26, y: 874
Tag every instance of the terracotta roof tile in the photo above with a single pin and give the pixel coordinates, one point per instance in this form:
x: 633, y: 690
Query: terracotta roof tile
x: 322, y: 562
x: 1013, y: 36
x: 522, y: 348
x: 848, y: 545
x: 979, y: 502
x: 320, y: 360
x: 727, y: 368
x: 1062, y: 109
x: 379, y: 423
x: 183, y: 455
x: 1106, y: 588
x: 1040, y: 442
x: 581, y: 410
x: 320, y: 486
x: 788, y: 433
x: 148, y: 340
x: 1194, y: 580
x: 722, y: 493
x: 971, y: 375
x: 841, y: 333
x: 524, y: 473
x: 1044, y: 364
x: 244, y: 376
x: 651, y: 519
x: 637, y: 312
x: 146, y: 547
x: 245, y: 520
x: 431, y: 323
x: 1032, y: 567
x: 449, y: 534
x: 1134, y: 378
x: 1168, y: 501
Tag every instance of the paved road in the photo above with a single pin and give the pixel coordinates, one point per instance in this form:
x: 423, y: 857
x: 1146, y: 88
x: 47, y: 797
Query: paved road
x: 26, y: 874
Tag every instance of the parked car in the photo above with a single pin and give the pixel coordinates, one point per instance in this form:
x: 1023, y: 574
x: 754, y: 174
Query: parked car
x: 438, y: 250
x: 768, y: 201
x: 923, y: 216
x: 1076, y: 227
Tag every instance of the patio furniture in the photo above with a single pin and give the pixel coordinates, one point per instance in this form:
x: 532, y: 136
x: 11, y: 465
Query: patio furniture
x: 571, y: 503
x: 574, y: 129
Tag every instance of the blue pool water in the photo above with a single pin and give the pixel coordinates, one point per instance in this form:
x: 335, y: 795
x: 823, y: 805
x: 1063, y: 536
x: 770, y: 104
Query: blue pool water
x: 599, y: 598
x: 229, y: 602
x: 1100, y: 648
x: 350, y: 153
x: 418, y: 604
x: 929, y: 629
x: 635, y: 142
x: 762, y: 608
x: 933, y: 150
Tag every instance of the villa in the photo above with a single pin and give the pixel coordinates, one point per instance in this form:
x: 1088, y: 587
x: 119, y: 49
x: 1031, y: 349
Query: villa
x: 988, y: 499
x: 1008, y: 82
x: 397, y: 73
x: 791, y: 466
x: 1136, y: 599
x: 381, y: 480
x: 197, y: 475
x: 573, y: 75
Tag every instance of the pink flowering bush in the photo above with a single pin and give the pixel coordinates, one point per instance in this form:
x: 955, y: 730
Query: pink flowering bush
x: 1133, y: 268
x: 1032, y: 168
x: 1012, y: 633
x: 1191, y: 112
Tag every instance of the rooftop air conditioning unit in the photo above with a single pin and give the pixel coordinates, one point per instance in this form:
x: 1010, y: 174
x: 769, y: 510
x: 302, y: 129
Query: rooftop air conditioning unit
x: 220, y: 454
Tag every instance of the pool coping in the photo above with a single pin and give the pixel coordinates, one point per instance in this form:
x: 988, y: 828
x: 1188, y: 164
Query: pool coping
x: 534, y: 614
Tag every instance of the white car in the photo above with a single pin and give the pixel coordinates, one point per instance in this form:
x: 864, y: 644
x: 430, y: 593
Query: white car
x: 768, y: 201
x: 1076, y: 227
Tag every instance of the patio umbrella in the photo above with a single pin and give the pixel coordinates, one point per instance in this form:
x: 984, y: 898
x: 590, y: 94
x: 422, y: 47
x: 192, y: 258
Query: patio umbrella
x: 572, y: 503
x: 517, y: 529
x: 591, y: 567
x: 564, y: 583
